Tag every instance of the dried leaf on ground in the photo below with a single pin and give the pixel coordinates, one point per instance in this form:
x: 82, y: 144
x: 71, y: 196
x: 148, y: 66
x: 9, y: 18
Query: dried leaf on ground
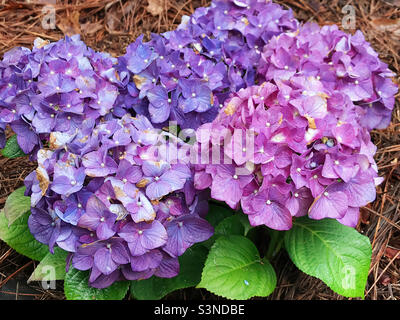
x: 392, y: 26
x: 70, y: 25
x: 90, y: 28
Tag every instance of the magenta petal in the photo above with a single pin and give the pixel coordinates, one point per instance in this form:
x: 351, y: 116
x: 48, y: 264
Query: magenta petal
x: 218, y: 191
x: 202, y: 180
x: 351, y: 217
x: 274, y: 216
x: 299, y: 203
x: 358, y: 194
x: 329, y: 205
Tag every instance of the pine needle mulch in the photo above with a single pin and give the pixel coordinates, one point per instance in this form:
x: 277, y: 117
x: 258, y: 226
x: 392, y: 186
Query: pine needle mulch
x: 111, y: 25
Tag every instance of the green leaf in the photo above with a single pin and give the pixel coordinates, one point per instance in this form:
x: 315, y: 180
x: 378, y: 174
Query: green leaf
x: 229, y: 226
x: 12, y: 149
x: 191, y: 265
x: 244, y: 220
x: 234, y: 270
x: 332, y: 252
x: 76, y: 287
x: 217, y: 213
x: 51, y: 268
x: 18, y: 237
x: 17, y: 204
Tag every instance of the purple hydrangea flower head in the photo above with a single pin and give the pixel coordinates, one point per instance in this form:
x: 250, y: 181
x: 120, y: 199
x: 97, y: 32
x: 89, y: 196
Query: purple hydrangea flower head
x: 182, y: 75
x: 306, y: 156
x: 123, y: 210
x: 53, y: 88
x: 343, y: 63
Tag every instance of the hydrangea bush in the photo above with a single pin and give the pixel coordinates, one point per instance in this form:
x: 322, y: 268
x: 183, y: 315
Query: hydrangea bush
x: 165, y: 168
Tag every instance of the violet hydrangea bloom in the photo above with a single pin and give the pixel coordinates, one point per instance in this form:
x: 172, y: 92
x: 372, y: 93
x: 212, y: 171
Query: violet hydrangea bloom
x: 123, y: 210
x: 184, y: 75
x: 53, y: 88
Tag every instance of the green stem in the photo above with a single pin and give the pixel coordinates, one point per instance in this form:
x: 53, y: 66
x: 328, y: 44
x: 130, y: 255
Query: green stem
x: 275, y: 244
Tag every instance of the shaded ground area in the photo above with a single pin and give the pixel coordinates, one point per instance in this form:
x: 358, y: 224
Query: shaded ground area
x: 111, y: 25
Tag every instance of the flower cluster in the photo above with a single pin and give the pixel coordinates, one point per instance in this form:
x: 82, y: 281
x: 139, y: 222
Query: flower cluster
x: 116, y: 197
x: 288, y: 149
x: 343, y: 62
x: 186, y: 75
x: 54, y: 87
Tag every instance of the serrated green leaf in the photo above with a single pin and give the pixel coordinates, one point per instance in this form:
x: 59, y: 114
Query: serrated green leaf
x: 51, y: 268
x: 234, y: 270
x: 332, y: 252
x: 191, y: 265
x: 18, y: 237
x: 76, y: 287
x: 17, y: 204
x: 12, y: 149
